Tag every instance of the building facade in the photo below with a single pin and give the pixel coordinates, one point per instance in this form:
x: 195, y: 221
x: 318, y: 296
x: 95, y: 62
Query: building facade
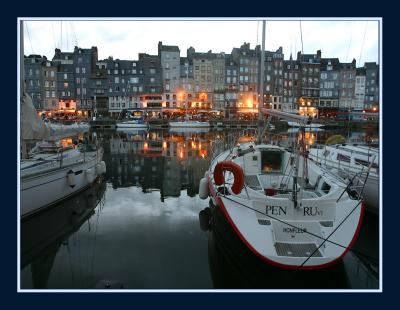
x: 291, y: 84
x: 329, y: 87
x: 34, y: 79
x: 359, y: 89
x: 49, y: 95
x: 371, y: 85
x: 347, y: 84
x: 310, y: 83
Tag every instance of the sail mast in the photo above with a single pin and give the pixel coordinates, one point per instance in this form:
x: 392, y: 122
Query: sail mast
x: 261, y: 86
x: 261, y: 100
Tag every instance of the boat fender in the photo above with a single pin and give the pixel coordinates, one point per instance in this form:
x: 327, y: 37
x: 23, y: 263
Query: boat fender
x: 101, y: 167
x: 204, y: 191
x: 90, y: 174
x: 205, y: 218
x: 71, y: 179
x: 237, y: 171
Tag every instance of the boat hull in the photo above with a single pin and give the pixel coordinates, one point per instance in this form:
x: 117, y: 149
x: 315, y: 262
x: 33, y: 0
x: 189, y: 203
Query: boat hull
x: 234, y: 265
x: 131, y: 125
x: 189, y: 124
x: 279, y: 240
x: 45, y: 189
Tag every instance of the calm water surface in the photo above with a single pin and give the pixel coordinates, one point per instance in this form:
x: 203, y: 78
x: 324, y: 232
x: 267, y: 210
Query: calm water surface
x: 138, y: 228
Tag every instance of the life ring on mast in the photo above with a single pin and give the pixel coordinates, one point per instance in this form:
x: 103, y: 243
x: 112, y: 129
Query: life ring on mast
x: 237, y: 171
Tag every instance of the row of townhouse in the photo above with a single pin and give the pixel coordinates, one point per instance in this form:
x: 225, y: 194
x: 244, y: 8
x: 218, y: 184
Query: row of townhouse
x: 227, y: 83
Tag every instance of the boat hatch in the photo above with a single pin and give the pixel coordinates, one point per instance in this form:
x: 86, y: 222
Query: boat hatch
x: 325, y: 187
x: 271, y: 161
x: 253, y: 182
x: 297, y: 249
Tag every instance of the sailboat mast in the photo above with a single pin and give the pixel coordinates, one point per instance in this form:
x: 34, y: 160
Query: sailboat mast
x: 261, y: 87
x: 261, y: 100
x: 23, y: 150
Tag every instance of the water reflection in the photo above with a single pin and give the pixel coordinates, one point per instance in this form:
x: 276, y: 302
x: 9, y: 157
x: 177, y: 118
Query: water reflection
x: 44, y: 234
x: 233, y: 266
x: 139, y: 241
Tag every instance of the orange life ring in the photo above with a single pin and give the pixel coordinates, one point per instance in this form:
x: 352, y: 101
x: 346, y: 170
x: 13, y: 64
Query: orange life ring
x: 237, y: 171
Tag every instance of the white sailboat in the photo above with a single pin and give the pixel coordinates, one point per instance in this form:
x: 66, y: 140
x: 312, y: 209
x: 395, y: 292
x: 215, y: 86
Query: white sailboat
x: 279, y: 207
x: 189, y: 123
x: 356, y: 163
x: 51, y: 172
x: 135, y: 121
x: 311, y: 125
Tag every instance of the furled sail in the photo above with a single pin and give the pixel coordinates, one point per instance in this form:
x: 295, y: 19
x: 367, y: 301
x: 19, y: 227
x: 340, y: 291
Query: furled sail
x: 34, y: 128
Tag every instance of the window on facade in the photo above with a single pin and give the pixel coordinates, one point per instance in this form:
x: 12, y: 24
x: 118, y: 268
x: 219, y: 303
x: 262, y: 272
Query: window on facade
x: 134, y: 80
x: 65, y: 76
x: 77, y: 69
x: 84, y: 91
x: 116, y: 79
x: 65, y: 85
x: 53, y: 94
x: 78, y: 91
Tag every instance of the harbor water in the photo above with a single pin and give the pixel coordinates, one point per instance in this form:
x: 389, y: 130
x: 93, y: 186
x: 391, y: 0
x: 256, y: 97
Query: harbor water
x: 138, y: 227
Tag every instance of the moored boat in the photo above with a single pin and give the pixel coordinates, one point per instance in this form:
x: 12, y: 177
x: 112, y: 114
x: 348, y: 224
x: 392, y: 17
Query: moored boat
x: 356, y: 163
x: 53, y: 173
x: 289, y: 212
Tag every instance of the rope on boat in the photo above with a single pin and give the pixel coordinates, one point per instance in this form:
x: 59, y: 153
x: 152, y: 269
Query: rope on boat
x: 326, y: 239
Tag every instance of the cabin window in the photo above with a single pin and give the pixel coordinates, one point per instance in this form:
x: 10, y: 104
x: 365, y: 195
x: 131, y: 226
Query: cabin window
x: 325, y: 187
x: 365, y: 163
x: 342, y: 157
x: 271, y: 161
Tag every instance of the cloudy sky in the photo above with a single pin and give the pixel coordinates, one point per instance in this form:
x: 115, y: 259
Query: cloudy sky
x: 124, y: 39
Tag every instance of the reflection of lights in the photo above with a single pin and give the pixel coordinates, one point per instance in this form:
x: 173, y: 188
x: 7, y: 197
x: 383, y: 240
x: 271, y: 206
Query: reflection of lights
x: 181, y: 154
x: 144, y: 104
x: 374, y: 108
x: 164, y: 145
x: 146, y: 146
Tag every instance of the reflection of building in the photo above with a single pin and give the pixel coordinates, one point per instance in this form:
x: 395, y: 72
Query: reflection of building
x: 157, y: 161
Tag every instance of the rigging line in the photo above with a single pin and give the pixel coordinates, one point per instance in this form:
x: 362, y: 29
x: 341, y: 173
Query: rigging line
x: 29, y: 36
x: 73, y: 31
x: 362, y: 44
x: 258, y: 25
x: 54, y: 37
x: 332, y: 233
x: 307, y: 232
x: 348, y: 47
x: 61, y: 35
x: 301, y: 36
